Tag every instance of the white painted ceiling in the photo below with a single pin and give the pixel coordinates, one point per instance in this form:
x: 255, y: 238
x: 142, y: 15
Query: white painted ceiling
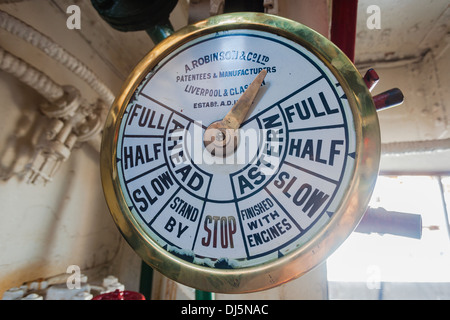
x: 409, y: 28
x: 410, y: 51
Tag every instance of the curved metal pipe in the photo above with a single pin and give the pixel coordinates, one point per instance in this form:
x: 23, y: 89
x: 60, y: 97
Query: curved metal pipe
x: 30, y: 76
x: 55, y: 51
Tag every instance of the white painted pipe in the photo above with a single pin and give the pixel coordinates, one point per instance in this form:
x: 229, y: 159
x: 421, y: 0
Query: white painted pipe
x: 55, y: 51
x: 30, y: 76
x: 412, y: 147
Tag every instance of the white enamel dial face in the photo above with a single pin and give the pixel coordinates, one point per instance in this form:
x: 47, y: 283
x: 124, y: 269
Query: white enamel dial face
x: 291, y: 167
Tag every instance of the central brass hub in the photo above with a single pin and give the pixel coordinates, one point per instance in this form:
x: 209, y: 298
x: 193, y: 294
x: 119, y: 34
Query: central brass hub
x: 219, y: 140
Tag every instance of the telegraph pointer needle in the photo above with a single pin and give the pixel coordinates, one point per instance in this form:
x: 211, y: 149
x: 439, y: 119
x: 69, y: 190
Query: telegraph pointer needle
x: 221, y: 137
x: 239, y: 111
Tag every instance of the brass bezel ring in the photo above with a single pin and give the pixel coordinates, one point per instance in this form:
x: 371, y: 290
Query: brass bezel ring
x: 352, y: 206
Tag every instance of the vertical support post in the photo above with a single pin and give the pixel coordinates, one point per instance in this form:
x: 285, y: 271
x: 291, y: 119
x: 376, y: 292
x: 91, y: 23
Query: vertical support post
x: 146, y: 281
x: 444, y: 204
x: 203, y: 295
x: 343, y: 26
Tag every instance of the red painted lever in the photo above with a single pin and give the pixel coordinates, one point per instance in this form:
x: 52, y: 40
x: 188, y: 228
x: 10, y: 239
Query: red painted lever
x: 371, y: 79
x: 388, y: 99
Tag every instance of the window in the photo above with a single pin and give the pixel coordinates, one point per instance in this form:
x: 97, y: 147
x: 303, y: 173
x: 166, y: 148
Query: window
x: 384, y: 266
